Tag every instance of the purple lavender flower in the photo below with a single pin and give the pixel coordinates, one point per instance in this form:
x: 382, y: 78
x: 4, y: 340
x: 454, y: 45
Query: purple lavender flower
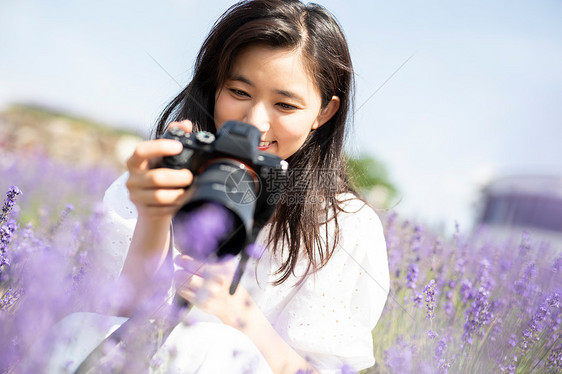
x: 457, y: 234
x: 412, y: 275
x: 417, y: 299
x: 512, y: 341
x: 509, y: 369
x: 530, y: 272
x: 483, y: 275
x: 440, y: 348
x: 443, y: 366
x: 10, y: 297
x: 432, y: 334
x: 554, y: 361
x: 9, y: 203
x: 557, y: 266
x: 479, y: 314
x: 405, y: 224
x: 429, y: 292
x: 497, y: 330
x: 7, y: 231
x: 554, y: 325
x: 27, y: 241
x: 415, y: 242
x: 466, y: 291
x: 437, y: 248
x: 460, y: 267
x: 525, y: 245
x: 64, y: 214
x: 553, y: 301
x: 7, y: 226
x: 534, y: 326
x: 505, y: 266
x: 400, y: 358
x: 449, y: 308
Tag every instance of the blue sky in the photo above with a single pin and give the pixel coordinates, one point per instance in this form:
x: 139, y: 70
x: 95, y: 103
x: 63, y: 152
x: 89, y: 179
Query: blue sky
x: 479, y: 98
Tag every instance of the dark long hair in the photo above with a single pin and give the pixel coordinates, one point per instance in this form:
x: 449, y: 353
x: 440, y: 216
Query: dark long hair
x: 318, y: 168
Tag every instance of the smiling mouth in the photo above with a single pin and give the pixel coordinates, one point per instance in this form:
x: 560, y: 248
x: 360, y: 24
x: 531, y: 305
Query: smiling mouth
x: 265, y: 145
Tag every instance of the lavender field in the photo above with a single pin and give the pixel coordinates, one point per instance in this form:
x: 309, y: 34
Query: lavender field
x: 470, y: 304
x: 49, y: 233
x: 462, y: 304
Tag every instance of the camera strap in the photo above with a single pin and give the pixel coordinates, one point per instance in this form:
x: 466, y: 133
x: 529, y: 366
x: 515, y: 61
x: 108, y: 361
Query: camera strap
x: 239, y: 272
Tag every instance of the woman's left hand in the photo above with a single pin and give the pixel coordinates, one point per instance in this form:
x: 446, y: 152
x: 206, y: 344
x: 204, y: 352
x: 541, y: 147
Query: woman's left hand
x: 207, y: 286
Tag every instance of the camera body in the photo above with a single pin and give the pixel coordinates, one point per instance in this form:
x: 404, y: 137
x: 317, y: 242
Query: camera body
x: 230, y: 171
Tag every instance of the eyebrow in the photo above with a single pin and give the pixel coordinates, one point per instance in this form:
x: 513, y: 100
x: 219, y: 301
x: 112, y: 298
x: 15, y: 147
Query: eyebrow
x: 288, y: 94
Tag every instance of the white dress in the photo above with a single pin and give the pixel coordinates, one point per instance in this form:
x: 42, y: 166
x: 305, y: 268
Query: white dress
x: 327, y: 319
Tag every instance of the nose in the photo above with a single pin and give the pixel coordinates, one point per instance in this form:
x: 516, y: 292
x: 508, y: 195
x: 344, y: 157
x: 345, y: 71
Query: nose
x: 258, y: 116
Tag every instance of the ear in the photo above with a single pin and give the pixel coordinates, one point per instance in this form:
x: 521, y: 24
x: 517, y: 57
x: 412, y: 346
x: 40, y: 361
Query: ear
x: 327, y: 113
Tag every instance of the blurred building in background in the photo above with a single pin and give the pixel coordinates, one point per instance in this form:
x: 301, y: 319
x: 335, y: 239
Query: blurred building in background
x: 531, y: 203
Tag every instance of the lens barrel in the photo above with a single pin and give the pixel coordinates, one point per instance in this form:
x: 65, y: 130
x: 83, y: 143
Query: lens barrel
x: 220, y: 211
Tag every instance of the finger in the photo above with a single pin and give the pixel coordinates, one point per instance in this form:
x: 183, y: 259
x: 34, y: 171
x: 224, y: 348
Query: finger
x: 159, y: 197
x: 160, y: 178
x: 182, y: 285
x: 159, y: 211
x: 220, y: 271
x: 184, y: 260
x: 187, y: 295
x: 226, y: 263
x: 151, y: 149
x: 185, y: 280
x: 186, y: 125
x: 189, y: 264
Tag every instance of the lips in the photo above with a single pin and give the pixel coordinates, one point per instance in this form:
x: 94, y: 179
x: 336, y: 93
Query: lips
x: 265, y: 145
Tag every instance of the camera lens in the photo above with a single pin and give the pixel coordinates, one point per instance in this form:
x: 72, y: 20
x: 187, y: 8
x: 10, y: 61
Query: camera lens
x: 218, y: 218
x: 203, y: 230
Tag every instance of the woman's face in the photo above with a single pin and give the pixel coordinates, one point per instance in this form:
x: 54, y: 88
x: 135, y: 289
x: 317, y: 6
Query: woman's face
x: 271, y: 89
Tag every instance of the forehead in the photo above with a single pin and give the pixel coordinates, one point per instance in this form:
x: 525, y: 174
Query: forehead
x: 257, y: 59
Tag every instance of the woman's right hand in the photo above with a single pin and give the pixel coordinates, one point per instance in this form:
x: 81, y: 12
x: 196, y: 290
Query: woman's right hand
x: 158, y: 193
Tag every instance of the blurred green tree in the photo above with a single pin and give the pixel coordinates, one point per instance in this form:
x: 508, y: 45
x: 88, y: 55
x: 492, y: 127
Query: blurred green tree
x: 370, y: 178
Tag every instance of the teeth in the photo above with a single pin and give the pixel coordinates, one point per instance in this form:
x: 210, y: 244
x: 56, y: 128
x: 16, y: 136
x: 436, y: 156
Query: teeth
x: 263, y: 144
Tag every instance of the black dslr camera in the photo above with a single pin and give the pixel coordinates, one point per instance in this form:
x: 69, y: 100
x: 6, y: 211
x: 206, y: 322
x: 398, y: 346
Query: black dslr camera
x: 233, y: 195
x: 230, y: 175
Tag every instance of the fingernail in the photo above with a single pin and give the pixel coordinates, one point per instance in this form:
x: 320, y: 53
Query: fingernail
x: 177, y: 146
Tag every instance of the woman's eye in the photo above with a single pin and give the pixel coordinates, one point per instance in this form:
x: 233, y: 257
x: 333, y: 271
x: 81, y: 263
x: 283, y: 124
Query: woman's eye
x: 287, y: 106
x: 239, y: 92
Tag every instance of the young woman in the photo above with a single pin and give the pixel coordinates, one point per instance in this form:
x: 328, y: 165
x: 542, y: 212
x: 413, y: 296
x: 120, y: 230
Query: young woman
x: 312, y: 298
